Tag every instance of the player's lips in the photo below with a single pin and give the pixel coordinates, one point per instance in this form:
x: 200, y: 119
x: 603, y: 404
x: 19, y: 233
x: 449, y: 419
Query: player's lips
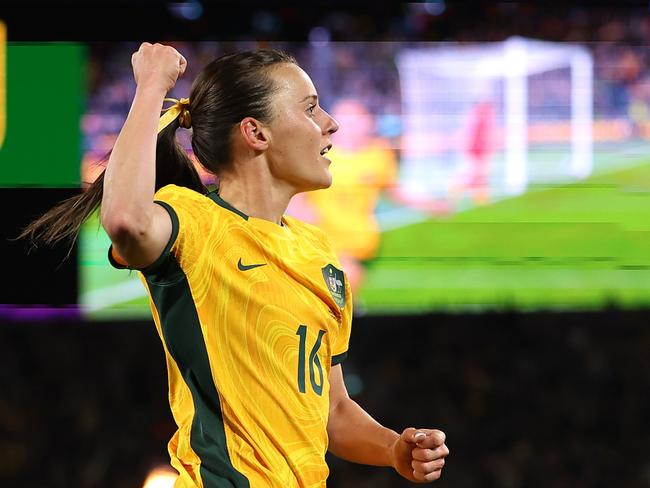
x: 324, y: 151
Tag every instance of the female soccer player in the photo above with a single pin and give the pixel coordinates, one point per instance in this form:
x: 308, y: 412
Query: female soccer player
x: 252, y: 306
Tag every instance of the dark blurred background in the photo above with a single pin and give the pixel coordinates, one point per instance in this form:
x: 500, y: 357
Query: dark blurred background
x: 537, y: 399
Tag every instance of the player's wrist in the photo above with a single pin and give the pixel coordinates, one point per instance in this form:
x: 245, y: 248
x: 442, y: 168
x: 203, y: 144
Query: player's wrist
x: 152, y: 87
x: 392, y: 446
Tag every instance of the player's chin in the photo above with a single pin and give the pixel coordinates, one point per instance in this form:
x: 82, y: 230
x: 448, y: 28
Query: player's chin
x: 320, y: 180
x: 325, y: 180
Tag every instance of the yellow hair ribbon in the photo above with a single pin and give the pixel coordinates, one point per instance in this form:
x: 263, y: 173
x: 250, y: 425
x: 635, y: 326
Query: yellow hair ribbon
x: 172, y: 113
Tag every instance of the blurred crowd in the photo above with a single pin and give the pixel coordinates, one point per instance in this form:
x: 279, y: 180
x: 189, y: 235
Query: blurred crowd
x: 526, y: 401
x: 349, y: 55
x: 361, y: 70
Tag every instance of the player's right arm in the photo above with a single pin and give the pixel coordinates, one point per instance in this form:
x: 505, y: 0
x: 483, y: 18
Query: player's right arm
x: 138, y: 228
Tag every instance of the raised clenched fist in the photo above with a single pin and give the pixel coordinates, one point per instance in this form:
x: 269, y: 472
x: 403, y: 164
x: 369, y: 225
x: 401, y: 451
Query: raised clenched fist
x: 157, y: 65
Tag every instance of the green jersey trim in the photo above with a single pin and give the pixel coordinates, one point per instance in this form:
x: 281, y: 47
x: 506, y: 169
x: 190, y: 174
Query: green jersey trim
x: 339, y: 358
x: 214, y: 196
x: 153, y: 268
x: 181, y: 330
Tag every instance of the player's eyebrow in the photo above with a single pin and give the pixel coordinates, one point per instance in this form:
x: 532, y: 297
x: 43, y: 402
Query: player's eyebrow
x: 313, y: 97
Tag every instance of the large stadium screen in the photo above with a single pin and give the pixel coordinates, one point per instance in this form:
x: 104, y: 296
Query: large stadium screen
x: 42, y: 98
x: 495, y: 176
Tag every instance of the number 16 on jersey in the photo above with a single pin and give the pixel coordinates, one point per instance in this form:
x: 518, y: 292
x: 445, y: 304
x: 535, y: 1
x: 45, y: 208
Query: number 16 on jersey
x: 314, y: 361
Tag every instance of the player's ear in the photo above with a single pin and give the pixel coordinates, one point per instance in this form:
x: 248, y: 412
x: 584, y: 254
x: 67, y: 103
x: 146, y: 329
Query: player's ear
x: 254, y: 133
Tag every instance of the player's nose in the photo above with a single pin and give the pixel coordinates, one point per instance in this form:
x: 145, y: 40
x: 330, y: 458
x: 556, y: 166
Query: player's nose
x: 331, y: 125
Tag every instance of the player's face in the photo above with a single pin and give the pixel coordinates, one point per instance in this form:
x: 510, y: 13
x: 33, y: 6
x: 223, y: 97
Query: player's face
x: 300, y: 132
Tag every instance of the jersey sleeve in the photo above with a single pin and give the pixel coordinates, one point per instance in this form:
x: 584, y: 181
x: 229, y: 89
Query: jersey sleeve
x: 187, y: 211
x: 342, y: 343
x: 190, y: 214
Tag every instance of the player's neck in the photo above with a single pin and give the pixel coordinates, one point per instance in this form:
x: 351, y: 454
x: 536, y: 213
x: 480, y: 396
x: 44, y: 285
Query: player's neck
x: 254, y: 196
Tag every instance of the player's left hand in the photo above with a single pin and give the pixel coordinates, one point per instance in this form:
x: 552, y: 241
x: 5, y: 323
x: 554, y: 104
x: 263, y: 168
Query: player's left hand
x: 419, y: 454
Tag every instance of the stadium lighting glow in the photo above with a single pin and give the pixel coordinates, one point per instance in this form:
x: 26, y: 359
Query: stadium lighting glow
x: 190, y: 10
x: 160, y: 477
x: 319, y: 36
x: 435, y: 7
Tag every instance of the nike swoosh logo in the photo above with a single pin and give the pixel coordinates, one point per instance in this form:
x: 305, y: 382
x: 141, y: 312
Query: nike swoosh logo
x: 246, y: 267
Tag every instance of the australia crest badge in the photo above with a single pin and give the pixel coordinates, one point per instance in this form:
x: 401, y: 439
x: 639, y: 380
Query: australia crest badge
x: 335, y: 283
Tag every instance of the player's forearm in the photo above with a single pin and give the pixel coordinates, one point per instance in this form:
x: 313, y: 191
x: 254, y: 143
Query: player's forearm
x: 355, y: 436
x: 129, y: 180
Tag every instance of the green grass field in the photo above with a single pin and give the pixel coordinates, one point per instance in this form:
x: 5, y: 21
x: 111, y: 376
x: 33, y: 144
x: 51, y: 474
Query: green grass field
x: 576, y: 246
x: 106, y: 292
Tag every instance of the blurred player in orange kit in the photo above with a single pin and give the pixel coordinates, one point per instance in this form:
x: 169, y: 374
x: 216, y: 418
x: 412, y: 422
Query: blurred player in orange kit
x: 364, y: 166
x: 478, y: 148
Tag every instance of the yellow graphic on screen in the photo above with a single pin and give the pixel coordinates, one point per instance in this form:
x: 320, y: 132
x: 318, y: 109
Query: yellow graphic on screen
x: 3, y: 69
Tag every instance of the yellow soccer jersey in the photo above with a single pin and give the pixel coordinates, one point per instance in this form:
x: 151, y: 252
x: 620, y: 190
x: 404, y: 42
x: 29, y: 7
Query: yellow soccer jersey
x: 346, y: 210
x: 252, y: 315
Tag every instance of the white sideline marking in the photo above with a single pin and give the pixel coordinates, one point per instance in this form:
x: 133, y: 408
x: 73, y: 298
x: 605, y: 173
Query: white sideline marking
x: 111, y: 295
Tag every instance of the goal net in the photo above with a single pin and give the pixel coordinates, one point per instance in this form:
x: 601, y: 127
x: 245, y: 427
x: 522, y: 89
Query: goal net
x: 489, y: 120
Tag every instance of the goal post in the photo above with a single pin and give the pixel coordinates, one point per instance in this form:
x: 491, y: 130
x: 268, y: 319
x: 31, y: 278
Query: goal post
x: 523, y: 104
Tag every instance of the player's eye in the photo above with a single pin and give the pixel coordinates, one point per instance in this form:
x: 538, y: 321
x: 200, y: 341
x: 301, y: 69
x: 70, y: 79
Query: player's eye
x: 311, y: 109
